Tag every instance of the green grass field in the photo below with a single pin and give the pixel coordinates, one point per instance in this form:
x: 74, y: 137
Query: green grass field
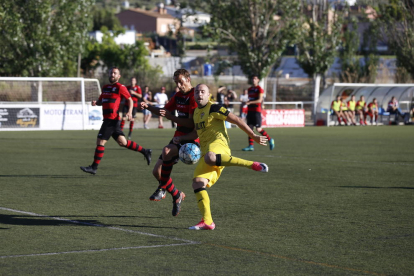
x: 336, y: 201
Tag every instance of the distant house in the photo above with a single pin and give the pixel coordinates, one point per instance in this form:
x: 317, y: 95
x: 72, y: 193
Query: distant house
x: 189, y: 18
x: 143, y: 21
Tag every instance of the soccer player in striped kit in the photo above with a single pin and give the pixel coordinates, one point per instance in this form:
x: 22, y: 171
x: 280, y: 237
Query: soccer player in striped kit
x: 136, y: 95
x: 254, y: 113
x: 183, y: 102
x: 110, y: 100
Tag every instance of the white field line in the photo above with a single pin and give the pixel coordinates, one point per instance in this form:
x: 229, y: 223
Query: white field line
x: 94, y: 250
x: 334, y: 160
x: 187, y: 242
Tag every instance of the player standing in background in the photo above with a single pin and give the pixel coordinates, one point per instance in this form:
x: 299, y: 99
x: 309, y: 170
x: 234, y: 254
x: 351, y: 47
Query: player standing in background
x: 209, y: 121
x: 110, y: 100
x: 254, y: 113
x: 136, y: 94
x: 183, y: 102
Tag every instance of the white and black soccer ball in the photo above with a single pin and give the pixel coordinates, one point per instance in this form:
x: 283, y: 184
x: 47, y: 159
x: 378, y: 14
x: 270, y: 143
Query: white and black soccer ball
x: 189, y: 153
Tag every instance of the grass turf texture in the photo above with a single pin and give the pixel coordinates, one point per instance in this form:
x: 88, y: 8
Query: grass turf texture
x: 336, y: 201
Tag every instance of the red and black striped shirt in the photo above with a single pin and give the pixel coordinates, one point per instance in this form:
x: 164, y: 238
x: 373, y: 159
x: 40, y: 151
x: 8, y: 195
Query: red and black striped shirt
x: 111, y: 98
x: 254, y: 94
x: 135, y: 98
x: 185, y: 105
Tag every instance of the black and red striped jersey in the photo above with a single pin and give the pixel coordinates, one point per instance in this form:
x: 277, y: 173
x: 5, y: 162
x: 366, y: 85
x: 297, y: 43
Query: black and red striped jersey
x: 254, y: 94
x: 185, y: 105
x: 135, y: 99
x: 111, y: 98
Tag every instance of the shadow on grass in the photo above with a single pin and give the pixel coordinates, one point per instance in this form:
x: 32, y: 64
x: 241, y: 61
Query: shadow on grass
x: 374, y: 187
x: 49, y: 221
x: 43, y: 176
x: 41, y: 221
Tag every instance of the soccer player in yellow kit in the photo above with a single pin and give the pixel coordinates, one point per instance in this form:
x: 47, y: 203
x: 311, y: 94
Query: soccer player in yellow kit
x: 209, y: 120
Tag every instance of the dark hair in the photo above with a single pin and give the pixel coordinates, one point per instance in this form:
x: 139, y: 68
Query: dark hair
x: 181, y: 72
x: 114, y: 67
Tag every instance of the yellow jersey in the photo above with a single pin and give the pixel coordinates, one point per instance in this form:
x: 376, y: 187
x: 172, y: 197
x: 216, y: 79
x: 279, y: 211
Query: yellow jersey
x: 210, y: 125
x: 336, y: 105
x: 351, y: 105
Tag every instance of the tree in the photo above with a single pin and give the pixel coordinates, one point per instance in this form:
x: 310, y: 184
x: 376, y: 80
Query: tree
x: 318, y: 41
x: 353, y: 70
x: 130, y: 59
x: 105, y: 17
x: 398, y: 19
x: 350, y: 64
x: 42, y: 37
x: 257, y: 30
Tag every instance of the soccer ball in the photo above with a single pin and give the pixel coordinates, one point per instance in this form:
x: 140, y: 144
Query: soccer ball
x: 189, y: 153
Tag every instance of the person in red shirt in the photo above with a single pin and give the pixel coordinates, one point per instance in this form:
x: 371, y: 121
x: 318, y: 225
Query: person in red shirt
x: 183, y: 102
x: 110, y: 100
x: 254, y: 113
x: 136, y: 95
x: 373, y: 111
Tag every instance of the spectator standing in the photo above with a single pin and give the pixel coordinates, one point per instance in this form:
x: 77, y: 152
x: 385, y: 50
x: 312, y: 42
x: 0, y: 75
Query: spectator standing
x: 147, y: 98
x: 231, y: 97
x: 220, y: 95
x: 161, y: 98
x: 243, y: 107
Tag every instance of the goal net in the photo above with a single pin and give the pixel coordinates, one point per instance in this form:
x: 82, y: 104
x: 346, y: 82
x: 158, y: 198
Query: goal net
x: 48, y: 103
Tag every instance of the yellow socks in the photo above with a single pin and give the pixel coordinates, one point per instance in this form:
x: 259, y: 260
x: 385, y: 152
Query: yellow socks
x: 228, y: 160
x: 203, y: 202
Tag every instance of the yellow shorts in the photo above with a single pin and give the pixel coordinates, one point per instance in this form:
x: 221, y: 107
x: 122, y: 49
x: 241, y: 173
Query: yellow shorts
x: 212, y: 173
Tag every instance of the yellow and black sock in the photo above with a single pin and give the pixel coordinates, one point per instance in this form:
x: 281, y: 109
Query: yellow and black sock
x: 228, y: 160
x: 203, y: 202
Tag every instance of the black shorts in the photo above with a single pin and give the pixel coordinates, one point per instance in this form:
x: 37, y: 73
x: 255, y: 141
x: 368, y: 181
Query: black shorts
x: 125, y: 111
x: 254, y: 118
x: 175, y: 158
x: 110, y: 128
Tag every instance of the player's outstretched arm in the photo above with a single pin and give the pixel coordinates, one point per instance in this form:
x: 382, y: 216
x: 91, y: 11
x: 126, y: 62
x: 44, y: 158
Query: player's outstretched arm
x: 187, y: 122
x: 151, y: 108
x: 98, y: 102
x: 261, y: 140
x: 190, y: 136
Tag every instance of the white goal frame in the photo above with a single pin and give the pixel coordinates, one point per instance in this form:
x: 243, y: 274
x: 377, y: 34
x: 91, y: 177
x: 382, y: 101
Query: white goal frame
x: 83, y: 107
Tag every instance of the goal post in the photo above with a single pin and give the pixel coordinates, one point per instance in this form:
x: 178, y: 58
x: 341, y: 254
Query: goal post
x: 49, y: 103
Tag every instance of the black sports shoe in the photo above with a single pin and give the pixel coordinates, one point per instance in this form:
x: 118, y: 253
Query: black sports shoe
x: 177, y: 204
x: 147, y: 155
x: 88, y: 169
x: 158, y: 195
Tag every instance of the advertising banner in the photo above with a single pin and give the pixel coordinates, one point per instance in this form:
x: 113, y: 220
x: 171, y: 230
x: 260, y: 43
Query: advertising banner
x: 19, y: 118
x: 62, y: 116
x: 95, y: 117
x: 283, y: 118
